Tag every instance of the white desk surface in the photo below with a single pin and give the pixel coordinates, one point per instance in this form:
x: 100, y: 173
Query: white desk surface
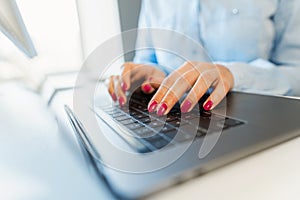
x: 38, y: 160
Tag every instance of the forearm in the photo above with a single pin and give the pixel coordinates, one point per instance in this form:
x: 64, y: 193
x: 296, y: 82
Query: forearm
x: 293, y: 77
x: 262, y: 76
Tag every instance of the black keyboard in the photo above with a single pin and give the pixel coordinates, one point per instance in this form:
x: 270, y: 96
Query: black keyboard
x: 147, y: 132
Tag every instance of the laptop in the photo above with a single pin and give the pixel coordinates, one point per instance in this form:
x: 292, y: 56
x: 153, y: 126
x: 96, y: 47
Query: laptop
x: 137, y: 153
x: 165, y: 151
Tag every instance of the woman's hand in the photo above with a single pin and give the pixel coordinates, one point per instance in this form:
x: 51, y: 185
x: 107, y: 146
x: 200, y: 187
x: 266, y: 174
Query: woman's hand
x: 197, y: 78
x: 144, y: 75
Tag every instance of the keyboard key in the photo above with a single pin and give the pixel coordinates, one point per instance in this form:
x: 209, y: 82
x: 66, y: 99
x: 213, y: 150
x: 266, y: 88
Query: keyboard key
x: 143, y: 132
x: 177, y: 123
x: 133, y: 112
x: 189, y: 130
x: 156, y: 123
x: 122, y: 117
x: 205, y: 114
x: 171, y: 118
x: 156, y: 141
x: 111, y: 110
x: 117, y: 114
x: 166, y: 129
x: 145, y: 120
x: 175, y: 113
x: 134, y: 126
x: 171, y: 134
x: 189, y: 116
x: 127, y: 121
x: 178, y: 136
x: 139, y: 116
x: 125, y: 110
x: 201, y: 131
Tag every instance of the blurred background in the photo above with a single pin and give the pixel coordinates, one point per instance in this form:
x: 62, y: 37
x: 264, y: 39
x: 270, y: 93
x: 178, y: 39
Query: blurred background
x: 64, y: 34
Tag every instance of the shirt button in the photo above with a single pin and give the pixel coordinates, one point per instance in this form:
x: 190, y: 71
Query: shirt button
x: 235, y: 11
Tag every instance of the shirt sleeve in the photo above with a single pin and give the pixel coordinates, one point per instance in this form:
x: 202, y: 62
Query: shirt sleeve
x: 145, y: 55
x: 281, y: 74
x: 258, y: 76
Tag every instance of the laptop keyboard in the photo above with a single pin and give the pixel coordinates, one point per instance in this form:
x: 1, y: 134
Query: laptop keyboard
x: 146, y: 132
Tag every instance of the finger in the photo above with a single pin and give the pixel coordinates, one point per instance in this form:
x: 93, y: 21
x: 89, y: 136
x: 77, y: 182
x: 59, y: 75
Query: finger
x: 111, y: 89
x: 152, y: 83
x: 126, y: 73
x: 178, y: 89
x: 203, y: 83
x: 119, y: 91
x: 125, y: 84
x: 137, y: 76
x: 162, y: 90
x: 147, y: 87
x: 216, y: 96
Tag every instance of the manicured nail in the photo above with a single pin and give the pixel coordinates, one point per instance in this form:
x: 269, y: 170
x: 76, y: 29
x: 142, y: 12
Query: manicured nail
x: 208, y: 105
x: 121, y: 101
x: 186, y: 106
x: 147, y: 88
x: 152, y: 106
x: 124, y: 86
x: 114, y: 97
x: 162, y: 109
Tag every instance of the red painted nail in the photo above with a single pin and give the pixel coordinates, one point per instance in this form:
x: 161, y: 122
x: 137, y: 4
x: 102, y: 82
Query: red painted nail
x: 186, y: 106
x: 114, y: 97
x: 147, y: 88
x: 124, y: 86
x: 152, y: 106
x: 162, y: 109
x: 208, y: 105
x: 121, y: 101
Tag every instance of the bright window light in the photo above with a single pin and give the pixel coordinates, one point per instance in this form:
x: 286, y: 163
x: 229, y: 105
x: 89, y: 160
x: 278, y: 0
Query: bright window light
x: 54, y: 28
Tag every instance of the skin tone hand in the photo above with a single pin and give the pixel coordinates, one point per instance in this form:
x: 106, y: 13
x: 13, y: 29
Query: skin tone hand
x: 144, y: 75
x: 197, y: 78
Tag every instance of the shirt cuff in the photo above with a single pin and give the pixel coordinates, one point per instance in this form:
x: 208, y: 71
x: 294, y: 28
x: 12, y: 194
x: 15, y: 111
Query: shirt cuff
x: 259, y: 76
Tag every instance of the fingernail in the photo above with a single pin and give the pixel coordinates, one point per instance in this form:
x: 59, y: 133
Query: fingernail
x: 114, y: 97
x: 186, y: 106
x: 152, y: 106
x: 162, y: 109
x: 147, y: 88
x: 208, y: 105
x: 124, y: 86
x: 121, y: 101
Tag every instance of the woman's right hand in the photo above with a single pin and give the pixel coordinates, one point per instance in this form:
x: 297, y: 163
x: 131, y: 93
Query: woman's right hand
x: 147, y: 76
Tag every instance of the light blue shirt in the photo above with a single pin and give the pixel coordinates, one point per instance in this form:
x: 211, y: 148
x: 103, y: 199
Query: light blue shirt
x: 258, y: 40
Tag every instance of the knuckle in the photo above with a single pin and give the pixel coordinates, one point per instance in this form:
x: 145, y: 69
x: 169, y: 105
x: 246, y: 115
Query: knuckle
x: 167, y: 82
x: 171, y: 98
x: 184, y: 81
x: 172, y: 95
x: 219, y: 94
x: 194, y: 95
x: 216, y: 97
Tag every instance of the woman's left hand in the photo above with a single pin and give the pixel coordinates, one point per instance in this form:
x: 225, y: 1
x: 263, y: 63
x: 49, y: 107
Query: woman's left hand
x: 197, y: 78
